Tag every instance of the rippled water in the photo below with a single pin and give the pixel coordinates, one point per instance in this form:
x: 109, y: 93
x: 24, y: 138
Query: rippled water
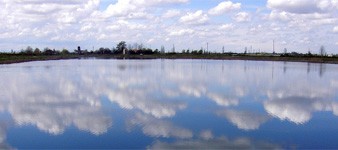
x: 152, y: 104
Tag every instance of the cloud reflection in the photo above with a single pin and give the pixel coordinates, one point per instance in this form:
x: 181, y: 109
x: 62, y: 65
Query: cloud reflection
x: 139, y: 99
x: 223, y: 100
x: 159, y: 128
x: 298, y: 109
x: 215, y: 143
x: 244, y: 119
x: 70, y: 93
x: 3, y: 136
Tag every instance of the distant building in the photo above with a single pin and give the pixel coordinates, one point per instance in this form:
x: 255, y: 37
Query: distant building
x: 79, y: 50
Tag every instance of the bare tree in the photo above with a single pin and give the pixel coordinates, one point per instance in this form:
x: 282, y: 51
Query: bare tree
x: 162, y: 49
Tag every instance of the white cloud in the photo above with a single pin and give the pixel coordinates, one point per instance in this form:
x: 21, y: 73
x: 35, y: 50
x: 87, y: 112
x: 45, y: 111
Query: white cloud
x: 181, y: 32
x: 121, y: 8
x: 302, y: 6
x: 63, y: 24
x: 224, y: 7
x: 171, y: 13
x: 131, y: 7
x: 157, y: 2
x: 195, y: 18
x: 335, y: 29
x: 226, y: 27
x: 242, y: 17
x: 279, y: 15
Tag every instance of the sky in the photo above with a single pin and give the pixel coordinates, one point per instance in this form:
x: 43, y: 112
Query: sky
x: 294, y: 25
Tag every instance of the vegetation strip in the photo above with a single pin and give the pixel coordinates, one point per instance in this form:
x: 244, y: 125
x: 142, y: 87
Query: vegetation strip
x: 139, y: 52
x: 17, y: 58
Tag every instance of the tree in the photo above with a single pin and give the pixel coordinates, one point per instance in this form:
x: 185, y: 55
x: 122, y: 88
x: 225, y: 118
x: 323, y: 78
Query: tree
x: 156, y: 51
x: 101, y: 50
x: 37, y: 51
x: 121, y: 46
x: 140, y: 47
x: 322, y: 51
x: 29, y: 50
x: 106, y: 51
x: 47, y: 51
x: 64, y: 52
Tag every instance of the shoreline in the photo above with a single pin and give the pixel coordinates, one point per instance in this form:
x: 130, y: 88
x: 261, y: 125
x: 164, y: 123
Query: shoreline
x: 12, y: 59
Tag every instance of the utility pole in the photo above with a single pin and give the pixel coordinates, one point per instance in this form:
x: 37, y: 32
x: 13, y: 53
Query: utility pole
x: 273, y: 46
x: 207, y: 46
x: 173, y: 48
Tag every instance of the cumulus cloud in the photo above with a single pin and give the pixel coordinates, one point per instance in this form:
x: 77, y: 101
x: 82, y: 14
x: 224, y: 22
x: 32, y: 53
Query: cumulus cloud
x: 63, y: 24
x: 45, y: 19
x: 279, y: 15
x: 171, y: 13
x: 132, y: 7
x: 242, y: 17
x: 181, y: 32
x: 335, y: 29
x: 195, y: 18
x: 302, y: 6
x: 226, y: 27
x: 224, y: 7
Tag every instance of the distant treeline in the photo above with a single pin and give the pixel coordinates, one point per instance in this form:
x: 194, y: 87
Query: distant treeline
x: 138, y: 49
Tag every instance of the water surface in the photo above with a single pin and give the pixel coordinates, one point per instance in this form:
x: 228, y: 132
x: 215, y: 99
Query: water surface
x: 152, y: 104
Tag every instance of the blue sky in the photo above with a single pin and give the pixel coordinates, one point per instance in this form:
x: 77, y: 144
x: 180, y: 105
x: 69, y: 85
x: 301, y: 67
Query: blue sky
x: 298, y: 25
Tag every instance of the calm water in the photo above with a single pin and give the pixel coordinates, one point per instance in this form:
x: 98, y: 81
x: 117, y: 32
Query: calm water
x: 152, y: 104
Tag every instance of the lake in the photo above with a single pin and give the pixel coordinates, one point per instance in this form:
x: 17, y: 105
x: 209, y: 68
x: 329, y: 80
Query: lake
x: 168, y: 104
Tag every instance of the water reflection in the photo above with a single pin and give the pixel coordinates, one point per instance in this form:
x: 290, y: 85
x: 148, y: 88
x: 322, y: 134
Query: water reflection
x: 244, y: 119
x: 160, y: 95
x: 155, y: 127
x: 299, y: 109
x: 3, y: 135
x: 215, y: 143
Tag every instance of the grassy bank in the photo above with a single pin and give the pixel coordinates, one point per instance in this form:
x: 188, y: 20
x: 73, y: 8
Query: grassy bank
x: 16, y: 58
